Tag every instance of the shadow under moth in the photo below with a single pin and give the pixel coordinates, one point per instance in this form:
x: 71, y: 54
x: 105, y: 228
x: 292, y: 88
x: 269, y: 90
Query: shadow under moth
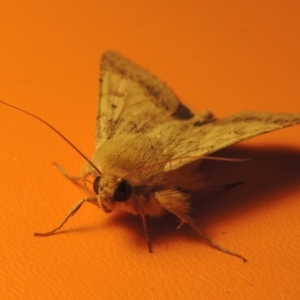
x: 149, y: 146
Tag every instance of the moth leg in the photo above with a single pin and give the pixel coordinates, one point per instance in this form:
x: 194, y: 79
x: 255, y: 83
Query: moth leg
x: 214, y: 244
x: 180, y: 224
x: 140, y: 209
x: 203, y: 117
x: 177, y: 203
x: 72, y: 212
x: 225, y: 187
x: 232, y: 185
x: 66, y: 174
x: 146, y: 231
x: 83, y: 177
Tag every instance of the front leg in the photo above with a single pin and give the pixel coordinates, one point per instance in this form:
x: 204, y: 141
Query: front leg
x: 66, y: 174
x: 72, y: 212
x: 82, y: 178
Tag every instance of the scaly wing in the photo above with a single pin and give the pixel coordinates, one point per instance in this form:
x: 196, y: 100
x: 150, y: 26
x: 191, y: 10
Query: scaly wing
x: 202, y: 140
x: 132, y: 100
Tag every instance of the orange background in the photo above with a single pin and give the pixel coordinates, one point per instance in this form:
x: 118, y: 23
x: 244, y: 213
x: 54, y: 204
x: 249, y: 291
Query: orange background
x: 226, y: 56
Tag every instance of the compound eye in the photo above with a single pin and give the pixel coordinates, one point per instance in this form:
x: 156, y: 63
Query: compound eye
x: 123, y: 191
x: 96, y: 185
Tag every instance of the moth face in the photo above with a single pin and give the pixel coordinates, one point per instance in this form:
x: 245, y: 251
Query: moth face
x: 112, y: 191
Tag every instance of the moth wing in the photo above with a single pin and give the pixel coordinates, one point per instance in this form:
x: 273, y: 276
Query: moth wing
x: 202, y: 140
x: 132, y: 100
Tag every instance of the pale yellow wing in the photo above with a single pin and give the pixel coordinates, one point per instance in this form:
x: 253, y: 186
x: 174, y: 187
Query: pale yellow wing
x: 132, y: 100
x: 205, y: 139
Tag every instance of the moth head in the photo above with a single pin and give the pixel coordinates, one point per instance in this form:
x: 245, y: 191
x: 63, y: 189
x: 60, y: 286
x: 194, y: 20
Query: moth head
x: 112, y: 191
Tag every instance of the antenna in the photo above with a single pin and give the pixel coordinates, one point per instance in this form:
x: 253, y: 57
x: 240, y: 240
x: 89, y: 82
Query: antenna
x: 55, y: 130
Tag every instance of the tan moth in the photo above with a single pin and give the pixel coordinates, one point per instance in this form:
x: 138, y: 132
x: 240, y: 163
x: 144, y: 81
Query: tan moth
x: 149, y: 146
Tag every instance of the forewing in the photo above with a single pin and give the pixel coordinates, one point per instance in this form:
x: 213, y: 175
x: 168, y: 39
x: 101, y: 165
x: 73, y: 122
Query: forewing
x: 132, y: 100
x: 208, y: 138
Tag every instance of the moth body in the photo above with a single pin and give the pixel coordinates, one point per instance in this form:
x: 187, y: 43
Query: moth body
x: 132, y: 164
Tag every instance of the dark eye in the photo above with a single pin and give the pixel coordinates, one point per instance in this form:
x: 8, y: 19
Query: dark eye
x: 96, y: 185
x: 123, y: 191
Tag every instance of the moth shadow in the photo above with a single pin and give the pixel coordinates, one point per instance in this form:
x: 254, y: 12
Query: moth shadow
x: 271, y: 171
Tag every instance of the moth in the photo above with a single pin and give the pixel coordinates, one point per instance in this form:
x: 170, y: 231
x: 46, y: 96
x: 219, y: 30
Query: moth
x: 149, y: 146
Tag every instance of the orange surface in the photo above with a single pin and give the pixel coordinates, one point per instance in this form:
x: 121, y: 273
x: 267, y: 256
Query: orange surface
x: 226, y: 56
